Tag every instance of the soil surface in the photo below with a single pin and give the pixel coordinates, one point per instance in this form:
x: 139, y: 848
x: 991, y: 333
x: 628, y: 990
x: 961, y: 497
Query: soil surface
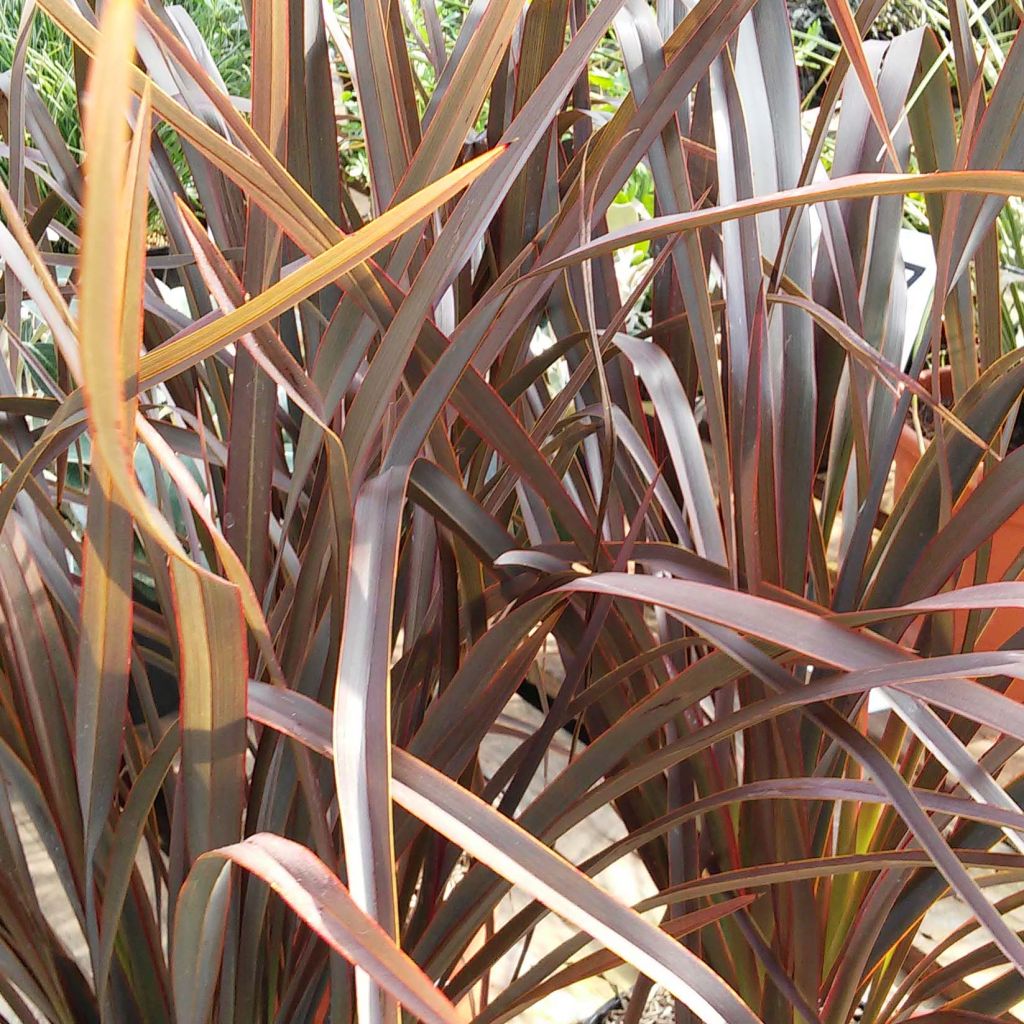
x: 659, y: 1009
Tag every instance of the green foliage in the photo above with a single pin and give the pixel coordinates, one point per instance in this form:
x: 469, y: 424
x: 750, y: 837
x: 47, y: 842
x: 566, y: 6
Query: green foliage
x: 49, y: 67
x: 50, y: 64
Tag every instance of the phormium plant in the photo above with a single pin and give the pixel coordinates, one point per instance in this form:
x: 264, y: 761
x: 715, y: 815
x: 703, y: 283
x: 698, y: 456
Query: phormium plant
x: 296, y: 496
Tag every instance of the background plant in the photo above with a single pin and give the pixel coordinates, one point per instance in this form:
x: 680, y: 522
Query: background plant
x: 278, y: 547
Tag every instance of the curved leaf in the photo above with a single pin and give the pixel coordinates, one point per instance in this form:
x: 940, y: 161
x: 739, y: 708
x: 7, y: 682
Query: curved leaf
x: 318, y: 898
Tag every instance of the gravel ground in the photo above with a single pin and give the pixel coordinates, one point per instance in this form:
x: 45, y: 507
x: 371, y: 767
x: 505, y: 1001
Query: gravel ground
x: 657, y: 1011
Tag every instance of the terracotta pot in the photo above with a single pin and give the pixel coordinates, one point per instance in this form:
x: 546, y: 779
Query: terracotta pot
x: 1007, y: 543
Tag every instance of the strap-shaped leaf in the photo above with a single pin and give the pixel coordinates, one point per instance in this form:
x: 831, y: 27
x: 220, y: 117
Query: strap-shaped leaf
x: 509, y: 850
x: 362, y: 716
x: 214, y: 669
x: 853, y: 186
x: 323, y: 903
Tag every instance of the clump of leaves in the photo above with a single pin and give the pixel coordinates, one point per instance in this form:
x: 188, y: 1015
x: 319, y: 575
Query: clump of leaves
x: 297, y: 507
